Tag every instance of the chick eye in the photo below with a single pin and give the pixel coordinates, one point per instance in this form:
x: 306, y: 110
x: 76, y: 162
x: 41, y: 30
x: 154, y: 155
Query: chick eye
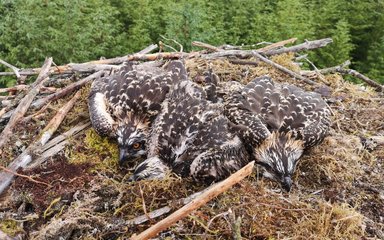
x: 136, y: 145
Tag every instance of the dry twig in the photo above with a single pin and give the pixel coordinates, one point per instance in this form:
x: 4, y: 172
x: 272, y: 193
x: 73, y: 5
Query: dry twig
x: 283, y: 69
x: 208, y: 195
x: 276, y: 45
x: 66, y: 90
x: 26, y: 156
x: 24, y: 176
x: 25, y: 102
x: 14, y: 69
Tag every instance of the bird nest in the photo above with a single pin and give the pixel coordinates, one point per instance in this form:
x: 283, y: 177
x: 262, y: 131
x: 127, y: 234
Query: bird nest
x: 82, y: 193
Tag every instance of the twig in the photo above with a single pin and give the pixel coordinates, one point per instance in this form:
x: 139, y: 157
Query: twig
x: 57, y: 144
x: 57, y: 119
x: 14, y: 88
x: 283, y: 69
x: 14, y: 69
x: 151, y: 215
x: 244, y: 62
x: 367, y: 80
x: 327, y: 70
x: 277, y: 45
x: 24, y: 176
x: 25, y: 102
x: 143, y: 202
x: 26, y: 156
x: 249, y: 53
x: 206, y: 45
x: 161, y: 211
x: 208, y: 195
x: 342, y: 69
x: 235, y: 225
x: 66, y: 90
x: 27, y: 118
x: 173, y: 40
x: 308, y: 45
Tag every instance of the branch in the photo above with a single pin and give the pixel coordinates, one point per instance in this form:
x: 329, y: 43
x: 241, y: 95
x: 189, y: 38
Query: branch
x: 57, y: 144
x: 283, y: 69
x: 14, y: 69
x: 57, y: 119
x: 66, y: 90
x: 25, y: 102
x: 202, y: 199
x: 249, y: 53
x: 308, y: 45
x: 367, y: 80
x: 277, y: 45
x: 342, y: 69
x: 206, y: 45
x: 26, y: 156
x: 97, y: 65
x: 14, y: 88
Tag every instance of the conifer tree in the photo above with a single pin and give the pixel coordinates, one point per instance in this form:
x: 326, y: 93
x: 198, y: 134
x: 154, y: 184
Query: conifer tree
x: 71, y: 31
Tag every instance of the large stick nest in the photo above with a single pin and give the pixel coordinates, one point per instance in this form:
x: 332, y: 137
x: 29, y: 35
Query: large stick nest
x: 338, y: 191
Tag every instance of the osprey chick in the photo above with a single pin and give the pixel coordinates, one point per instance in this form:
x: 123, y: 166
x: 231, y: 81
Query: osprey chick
x: 278, y: 122
x: 124, y: 104
x: 191, y: 137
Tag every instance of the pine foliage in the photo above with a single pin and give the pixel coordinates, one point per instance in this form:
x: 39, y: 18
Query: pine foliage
x: 75, y: 31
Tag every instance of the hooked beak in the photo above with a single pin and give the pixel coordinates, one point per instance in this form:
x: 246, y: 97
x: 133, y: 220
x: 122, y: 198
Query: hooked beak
x: 287, y: 183
x: 122, y: 156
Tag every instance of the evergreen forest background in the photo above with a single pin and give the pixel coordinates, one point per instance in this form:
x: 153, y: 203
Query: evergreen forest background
x: 82, y: 30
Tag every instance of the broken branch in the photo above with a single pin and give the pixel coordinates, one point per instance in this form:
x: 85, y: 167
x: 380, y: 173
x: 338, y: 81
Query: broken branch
x: 67, y: 90
x: 208, y: 195
x: 249, y: 53
x: 25, y: 102
x: 283, y: 69
x: 26, y: 156
x: 367, y: 80
x: 277, y: 45
x: 14, y: 69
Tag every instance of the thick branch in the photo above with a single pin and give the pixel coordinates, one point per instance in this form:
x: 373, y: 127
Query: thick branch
x: 366, y: 79
x: 283, y: 69
x: 25, y: 102
x: 249, y: 53
x: 308, y: 45
x: 202, y: 199
x: 97, y: 65
x: 14, y: 69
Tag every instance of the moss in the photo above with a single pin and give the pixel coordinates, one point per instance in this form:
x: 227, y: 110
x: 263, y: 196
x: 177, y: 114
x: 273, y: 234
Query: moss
x: 94, y: 149
x: 10, y: 227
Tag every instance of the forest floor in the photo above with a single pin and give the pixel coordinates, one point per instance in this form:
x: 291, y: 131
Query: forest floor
x: 338, y: 190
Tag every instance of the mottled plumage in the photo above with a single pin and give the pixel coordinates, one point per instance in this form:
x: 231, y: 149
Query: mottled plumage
x: 191, y: 137
x: 278, y: 121
x: 124, y: 104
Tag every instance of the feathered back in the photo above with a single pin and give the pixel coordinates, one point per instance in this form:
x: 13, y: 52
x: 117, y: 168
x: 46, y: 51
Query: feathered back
x: 191, y: 128
x: 287, y: 108
x: 133, y: 91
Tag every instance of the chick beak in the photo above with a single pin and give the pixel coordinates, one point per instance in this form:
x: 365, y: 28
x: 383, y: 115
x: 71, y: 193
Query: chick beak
x: 123, y: 156
x: 287, y: 183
